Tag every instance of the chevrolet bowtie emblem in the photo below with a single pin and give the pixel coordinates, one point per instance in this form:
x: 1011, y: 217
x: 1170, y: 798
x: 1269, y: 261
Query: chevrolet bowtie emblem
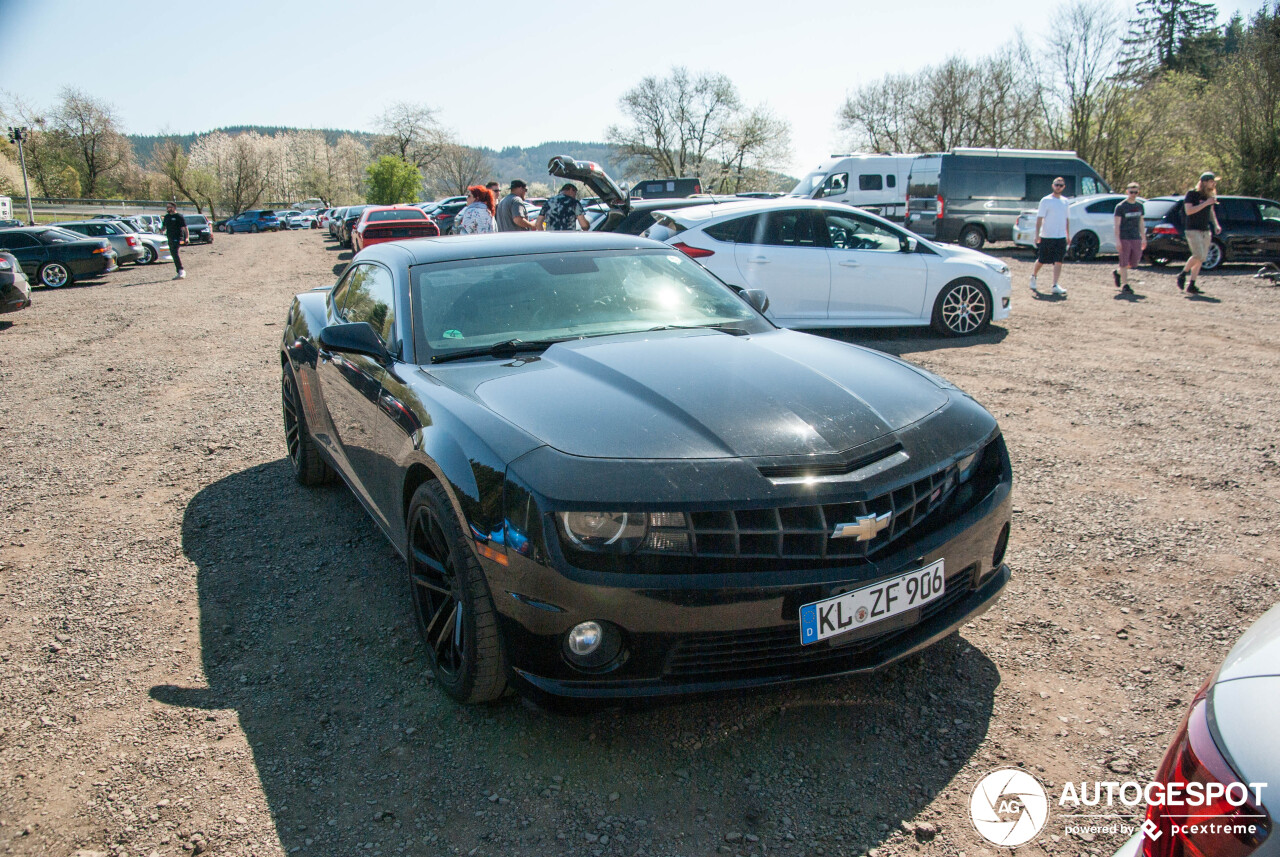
x: 865, y: 528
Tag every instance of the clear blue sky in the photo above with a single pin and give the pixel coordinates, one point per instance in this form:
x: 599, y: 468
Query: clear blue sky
x: 499, y: 73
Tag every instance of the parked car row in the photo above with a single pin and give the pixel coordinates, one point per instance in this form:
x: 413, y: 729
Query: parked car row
x: 54, y: 257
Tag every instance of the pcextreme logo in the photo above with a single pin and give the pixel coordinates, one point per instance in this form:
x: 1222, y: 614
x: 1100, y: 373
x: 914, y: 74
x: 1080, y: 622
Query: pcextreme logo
x: 1009, y: 807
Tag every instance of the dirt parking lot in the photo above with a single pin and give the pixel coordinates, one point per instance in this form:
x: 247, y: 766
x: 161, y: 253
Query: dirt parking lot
x: 197, y: 655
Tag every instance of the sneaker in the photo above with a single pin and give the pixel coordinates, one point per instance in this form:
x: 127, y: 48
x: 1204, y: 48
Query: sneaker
x: 178, y: 276
x: 1115, y: 275
x: 1033, y: 285
x: 1126, y: 290
x: 1182, y: 280
x: 1192, y: 290
x: 182, y: 275
x: 1059, y: 291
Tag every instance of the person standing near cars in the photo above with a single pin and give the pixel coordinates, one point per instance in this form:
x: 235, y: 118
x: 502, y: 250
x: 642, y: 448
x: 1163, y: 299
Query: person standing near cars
x: 477, y: 217
x: 563, y: 212
x: 175, y: 229
x: 510, y: 216
x: 1053, y: 225
x: 1202, y: 225
x: 1131, y: 236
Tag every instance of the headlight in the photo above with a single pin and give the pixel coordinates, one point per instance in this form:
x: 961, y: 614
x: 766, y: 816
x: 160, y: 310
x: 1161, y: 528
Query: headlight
x: 4, y: 264
x: 999, y: 267
x: 968, y: 465
x: 609, y: 532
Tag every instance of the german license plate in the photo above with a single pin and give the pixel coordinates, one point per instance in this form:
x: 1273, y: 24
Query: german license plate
x: 862, y: 607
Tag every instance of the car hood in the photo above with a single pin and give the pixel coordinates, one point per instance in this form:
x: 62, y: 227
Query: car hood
x: 964, y: 254
x: 700, y: 394
x: 593, y: 176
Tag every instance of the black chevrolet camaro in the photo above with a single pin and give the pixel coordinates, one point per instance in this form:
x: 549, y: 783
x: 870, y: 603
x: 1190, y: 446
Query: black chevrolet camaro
x: 610, y: 475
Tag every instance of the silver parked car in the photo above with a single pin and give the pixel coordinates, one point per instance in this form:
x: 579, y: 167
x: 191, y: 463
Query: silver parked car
x: 124, y: 241
x: 155, y: 247
x: 1221, y: 773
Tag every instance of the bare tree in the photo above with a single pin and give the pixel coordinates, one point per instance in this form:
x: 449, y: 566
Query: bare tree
x: 676, y: 122
x: 92, y: 137
x: 457, y: 168
x: 752, y: 144
x: 412, y: 133
x: 171, y: 160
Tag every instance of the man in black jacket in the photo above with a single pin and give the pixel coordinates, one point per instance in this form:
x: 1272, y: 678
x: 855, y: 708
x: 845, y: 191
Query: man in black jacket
x: 175, y: 229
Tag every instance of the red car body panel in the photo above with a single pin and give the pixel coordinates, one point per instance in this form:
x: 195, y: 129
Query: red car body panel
x: 414, y: 224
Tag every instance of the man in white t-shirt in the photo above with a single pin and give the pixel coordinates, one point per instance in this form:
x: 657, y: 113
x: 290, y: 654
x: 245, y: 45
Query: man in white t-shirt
x: 1052, y: 228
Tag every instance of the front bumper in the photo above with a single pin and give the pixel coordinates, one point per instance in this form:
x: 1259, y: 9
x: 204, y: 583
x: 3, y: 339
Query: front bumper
x: 703, y: 633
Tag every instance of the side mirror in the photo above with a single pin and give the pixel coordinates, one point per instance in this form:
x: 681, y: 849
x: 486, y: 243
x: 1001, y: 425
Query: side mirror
x: 757, y: 298
x: 355, y: 338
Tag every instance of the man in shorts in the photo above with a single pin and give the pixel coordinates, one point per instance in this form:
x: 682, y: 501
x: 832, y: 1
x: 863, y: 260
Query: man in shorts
x: 1131, y: 236
x: 1202, y: 225
x: 563, y: 212
x: 1052, y: 228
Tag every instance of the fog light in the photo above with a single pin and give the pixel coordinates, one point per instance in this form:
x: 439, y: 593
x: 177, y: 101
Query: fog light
x: 1002, y: 543
x: 585, y: 638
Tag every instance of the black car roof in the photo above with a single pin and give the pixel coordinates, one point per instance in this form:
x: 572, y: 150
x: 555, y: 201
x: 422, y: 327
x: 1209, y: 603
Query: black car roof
x: 422, y: 251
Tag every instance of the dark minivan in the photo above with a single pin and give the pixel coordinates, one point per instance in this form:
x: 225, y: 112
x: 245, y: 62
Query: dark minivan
x: 972, y: 196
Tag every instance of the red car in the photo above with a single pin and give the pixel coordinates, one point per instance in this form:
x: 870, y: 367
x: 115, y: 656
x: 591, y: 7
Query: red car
x: 379, y: 223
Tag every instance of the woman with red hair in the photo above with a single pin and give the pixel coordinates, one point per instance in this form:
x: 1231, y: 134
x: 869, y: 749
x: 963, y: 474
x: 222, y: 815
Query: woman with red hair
x: 477, y: 217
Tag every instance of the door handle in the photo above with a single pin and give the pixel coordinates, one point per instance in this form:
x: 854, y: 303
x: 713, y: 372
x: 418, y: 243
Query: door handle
x: 759, y: 260
x: 850, y: 263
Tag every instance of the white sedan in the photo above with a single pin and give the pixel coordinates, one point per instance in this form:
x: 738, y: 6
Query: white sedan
x: 1093, y: 227
x: 824, y: 264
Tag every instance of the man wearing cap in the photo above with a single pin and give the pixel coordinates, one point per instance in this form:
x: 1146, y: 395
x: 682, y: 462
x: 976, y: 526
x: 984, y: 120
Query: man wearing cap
x: 510, y: 214
x: 1202, y: 225
x: 563, y: 212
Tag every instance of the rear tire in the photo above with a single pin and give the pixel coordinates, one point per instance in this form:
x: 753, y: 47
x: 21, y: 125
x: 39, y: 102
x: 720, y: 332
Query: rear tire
x: 962, y: 309
x: 54, y: 275
x: 1214, y: 258
x: 456, y: 616
x: 1084, y: 246
x: 973, y: 237
x: 149, y: 255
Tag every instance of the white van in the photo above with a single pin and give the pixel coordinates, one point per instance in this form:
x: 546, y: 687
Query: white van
x: 6, y: 208
x: 877, y: 183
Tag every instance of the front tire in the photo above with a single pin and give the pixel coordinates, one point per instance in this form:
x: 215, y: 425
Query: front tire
x: 963, y: 309
x: 149, y: 255
x: 53, y: 275
x: 309, y: 467
x: 451, y: 600
x: 972, y: 237
x: 1084, y: 246
x: 1214, y: 258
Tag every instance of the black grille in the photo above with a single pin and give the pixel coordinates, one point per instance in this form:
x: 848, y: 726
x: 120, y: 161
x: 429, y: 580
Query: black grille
x: 798, y: 532
x: 777, y: 651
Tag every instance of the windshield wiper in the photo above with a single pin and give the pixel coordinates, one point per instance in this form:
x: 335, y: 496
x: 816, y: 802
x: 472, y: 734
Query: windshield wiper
x: 500, y: 349
x: 722, y: 327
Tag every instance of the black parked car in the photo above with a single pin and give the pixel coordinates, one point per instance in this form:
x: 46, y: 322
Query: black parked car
x: 15, y: 291
x: 1250, y: 233
x: 349, y: 219
x: 445, y: 216
x: 55, y: 257
x: 198, y: 229
x: 612, y: 476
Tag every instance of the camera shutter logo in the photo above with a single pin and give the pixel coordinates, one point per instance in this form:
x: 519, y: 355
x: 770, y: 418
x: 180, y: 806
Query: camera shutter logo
x: 1009, y: 807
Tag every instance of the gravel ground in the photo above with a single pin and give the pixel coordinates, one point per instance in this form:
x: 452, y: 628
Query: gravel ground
x: 197, y: 655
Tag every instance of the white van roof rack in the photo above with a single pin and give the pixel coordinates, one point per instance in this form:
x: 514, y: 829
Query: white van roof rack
x: 1021, y: 153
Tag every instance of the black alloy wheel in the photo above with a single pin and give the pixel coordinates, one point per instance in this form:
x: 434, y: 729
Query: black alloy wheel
x: 309, y: 467
x: 963, y: 309
x: 456, y: 616
x: 972, y: 237
x: 1084, y: 246
x: 53, y: 275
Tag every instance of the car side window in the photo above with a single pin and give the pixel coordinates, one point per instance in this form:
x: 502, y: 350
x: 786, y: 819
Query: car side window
x: 782, y: 229
x: 836, y: 184
x: 17, y: 241
x: 1241, y: 211
x: 1269, y: 211
x: 371, y: 298
x: 1088, y: 185
x: 870, y: 182
x: 338, y: 296
x: 727, y: 231
x: 851, y: 232
x: 891, y: 180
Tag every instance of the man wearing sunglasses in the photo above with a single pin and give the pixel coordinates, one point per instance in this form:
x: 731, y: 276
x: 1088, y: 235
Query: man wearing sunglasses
x: 1131, y: 236
x: 1052, y: 228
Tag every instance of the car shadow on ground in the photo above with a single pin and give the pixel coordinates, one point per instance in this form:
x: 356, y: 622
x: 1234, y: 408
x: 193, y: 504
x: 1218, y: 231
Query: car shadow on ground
x: 307, y: 634
x: 909, y: 340
x: 5, y: 324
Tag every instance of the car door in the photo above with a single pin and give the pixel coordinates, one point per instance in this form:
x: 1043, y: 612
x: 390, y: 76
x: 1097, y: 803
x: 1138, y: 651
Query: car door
x: 1241, y: 229
x: 352, y: 383
x: 27, y: 249
x: 874, y: 276
x: 1270, y: 213
x: 781, y: 252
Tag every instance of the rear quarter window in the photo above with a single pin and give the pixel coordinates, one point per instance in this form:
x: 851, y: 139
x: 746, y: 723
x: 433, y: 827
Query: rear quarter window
x: 727, y: 231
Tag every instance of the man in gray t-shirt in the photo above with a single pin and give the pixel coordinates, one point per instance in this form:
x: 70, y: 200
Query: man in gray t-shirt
x: 510, y: 214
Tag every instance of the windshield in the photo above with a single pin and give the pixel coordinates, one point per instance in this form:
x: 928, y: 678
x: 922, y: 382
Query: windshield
x: 196, y: 220
x: 398, y: 214
x: 480, y: 302
x: 809, y: 184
